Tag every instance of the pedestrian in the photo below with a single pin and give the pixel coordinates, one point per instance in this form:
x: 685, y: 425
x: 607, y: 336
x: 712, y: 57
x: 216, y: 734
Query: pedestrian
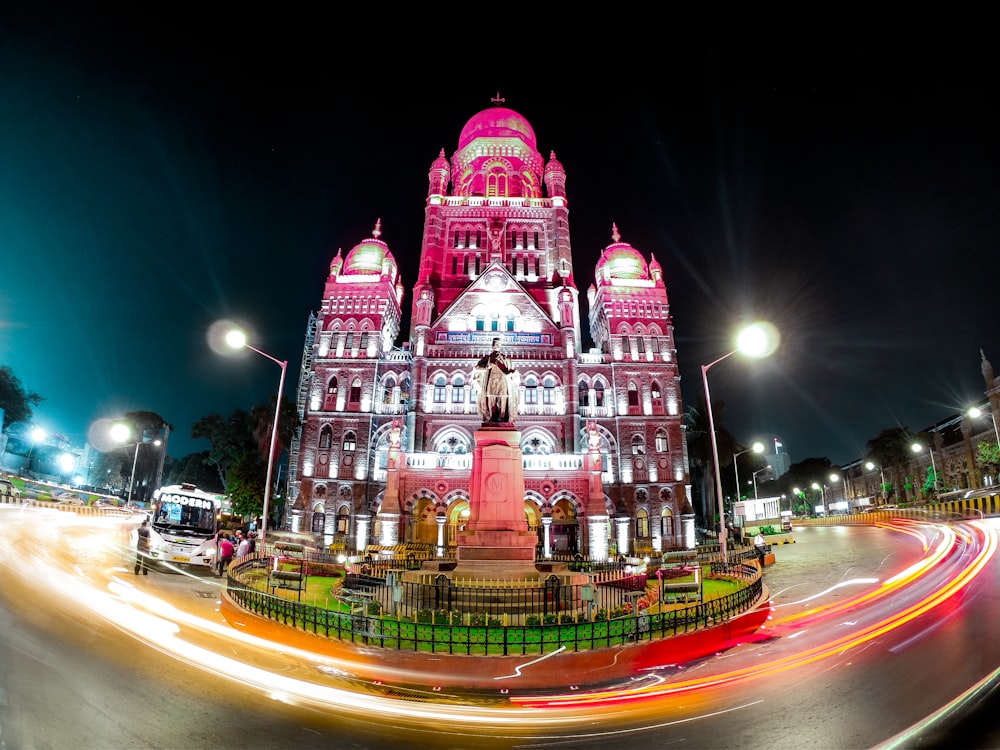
x: 244, y: 547
x: 252, y: 536
x: 761, y: 546
x: 142, y: 548
x: 225, y: 553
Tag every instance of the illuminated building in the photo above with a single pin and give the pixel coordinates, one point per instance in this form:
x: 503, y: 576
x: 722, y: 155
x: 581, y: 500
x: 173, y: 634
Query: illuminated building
x: 495, y: 261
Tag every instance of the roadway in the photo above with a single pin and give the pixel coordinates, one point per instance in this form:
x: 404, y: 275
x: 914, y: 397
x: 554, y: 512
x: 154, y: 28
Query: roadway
x: 93, y: 657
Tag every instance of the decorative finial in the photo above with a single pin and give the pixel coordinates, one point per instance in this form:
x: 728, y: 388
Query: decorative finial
x: 377, y: 231
x: 498, y: 100
x: 614, y: 232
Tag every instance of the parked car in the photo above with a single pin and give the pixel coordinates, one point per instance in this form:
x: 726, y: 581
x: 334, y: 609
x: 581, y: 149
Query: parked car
x: 67, y: 498
x: 8, y: 492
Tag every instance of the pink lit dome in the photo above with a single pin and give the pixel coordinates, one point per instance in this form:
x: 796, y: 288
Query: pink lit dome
x: 497, y: 122
x: 368, y: 255
x: 621, y: 261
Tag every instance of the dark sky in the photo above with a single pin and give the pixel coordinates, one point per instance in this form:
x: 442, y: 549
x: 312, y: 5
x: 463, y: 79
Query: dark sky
x: 158, y: 174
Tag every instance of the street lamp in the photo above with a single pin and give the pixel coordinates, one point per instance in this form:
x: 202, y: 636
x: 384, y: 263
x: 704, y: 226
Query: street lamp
x: 121, y: 432
x: 757, y: 447
x: 755, y: 481
x: 237, y: 340
x: 37, y: 435
x: 870, y: 465
x: 918, y: 448
x: 756, y: 340
x: 975, y: 412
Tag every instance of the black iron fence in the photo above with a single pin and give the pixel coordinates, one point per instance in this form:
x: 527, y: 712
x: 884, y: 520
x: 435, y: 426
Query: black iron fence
x: 441, y: 617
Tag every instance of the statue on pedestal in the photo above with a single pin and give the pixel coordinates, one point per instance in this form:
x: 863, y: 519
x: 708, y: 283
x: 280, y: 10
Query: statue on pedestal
x: 496, y: 384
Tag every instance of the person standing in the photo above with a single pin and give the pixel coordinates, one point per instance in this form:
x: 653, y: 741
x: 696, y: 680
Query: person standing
x: 244, y: 548
x: 142, y: 548
x: 225, y: 553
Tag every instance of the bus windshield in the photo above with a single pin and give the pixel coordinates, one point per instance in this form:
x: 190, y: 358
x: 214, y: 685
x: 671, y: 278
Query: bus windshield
x: 191, y: 514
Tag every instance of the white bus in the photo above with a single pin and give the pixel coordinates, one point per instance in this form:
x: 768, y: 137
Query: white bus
x: 185, y: 521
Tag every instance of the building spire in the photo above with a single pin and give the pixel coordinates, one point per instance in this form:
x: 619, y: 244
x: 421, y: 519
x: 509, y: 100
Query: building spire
x: 615, y: 236
x: 498, y: 100
x: 377, y: 231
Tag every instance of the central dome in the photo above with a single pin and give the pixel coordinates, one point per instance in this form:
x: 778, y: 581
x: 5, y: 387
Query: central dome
x: 497, y: 122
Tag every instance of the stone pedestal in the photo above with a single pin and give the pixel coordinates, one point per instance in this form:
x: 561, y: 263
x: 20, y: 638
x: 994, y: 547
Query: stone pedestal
x: 496, y: 534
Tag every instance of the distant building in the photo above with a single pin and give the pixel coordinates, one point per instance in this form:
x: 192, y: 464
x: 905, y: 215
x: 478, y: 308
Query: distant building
x: 495, y: 262
x: 779, y: 461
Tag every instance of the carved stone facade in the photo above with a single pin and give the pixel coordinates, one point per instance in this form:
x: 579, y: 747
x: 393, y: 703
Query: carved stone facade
x: 495, y: 262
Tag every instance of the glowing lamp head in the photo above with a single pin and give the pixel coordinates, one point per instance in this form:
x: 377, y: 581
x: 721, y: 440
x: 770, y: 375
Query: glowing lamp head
x: 236, y: 339
x: 758, y: 339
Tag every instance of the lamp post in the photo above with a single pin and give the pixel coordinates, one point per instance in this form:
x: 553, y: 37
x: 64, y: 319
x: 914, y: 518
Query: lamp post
x: 755, y: 481
x: 121, y: 433
x: 237, y: 340
x: 757, y: 447
x: 37, y: 435
x: 918, y: 448
x: 870, y: 465
x: 756, y: 340
x: 975, y: 412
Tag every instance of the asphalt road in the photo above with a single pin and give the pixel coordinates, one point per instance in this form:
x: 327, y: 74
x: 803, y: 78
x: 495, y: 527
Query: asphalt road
x: 74, y: 674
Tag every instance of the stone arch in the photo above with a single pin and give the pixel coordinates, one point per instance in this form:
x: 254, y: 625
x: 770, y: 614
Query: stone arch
x: 538, y: 441
x: 452, y: 439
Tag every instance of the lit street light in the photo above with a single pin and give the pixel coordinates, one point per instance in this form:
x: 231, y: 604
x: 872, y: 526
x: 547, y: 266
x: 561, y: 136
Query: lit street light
x: 918, y: 448
x: 121, y: 432
x: 37, y: 435
x: 757, y: 447
x: 237, y: 340
x: 756, y: 340
x: 870, y: 465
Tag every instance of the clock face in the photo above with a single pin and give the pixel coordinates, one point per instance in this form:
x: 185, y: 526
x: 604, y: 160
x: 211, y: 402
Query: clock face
x: 496, y: 281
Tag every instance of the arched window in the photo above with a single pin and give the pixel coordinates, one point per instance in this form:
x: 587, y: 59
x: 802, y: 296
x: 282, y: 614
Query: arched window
x: 633, y: 398
x: 458, y: 390
x: 662, y: 444
x: 582, y: 393
x: 343, y: 521
x: 388, y: 385
x: 330, y: 401
x: 656, y: 394
x: 440, y: 389
x: 642, y: 525
x: 355, y: 395
x: 638, y: 445
x: 325, y: 438
x: 350, y: 441
x: 598, y: 393
x: 531, y: 390
x: 549, y: 390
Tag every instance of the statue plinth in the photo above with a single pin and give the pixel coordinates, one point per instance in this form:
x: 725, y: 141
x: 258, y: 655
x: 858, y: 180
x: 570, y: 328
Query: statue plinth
x: 497, y: 531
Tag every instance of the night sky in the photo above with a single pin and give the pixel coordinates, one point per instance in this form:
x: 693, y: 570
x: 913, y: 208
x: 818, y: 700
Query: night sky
x: 153, y: 182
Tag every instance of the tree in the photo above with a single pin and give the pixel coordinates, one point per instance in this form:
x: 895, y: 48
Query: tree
x: 230, y: 439
x: 890, y: 449
x: 988, y: 458
x: 246, y: 478
x: 239, y: 450
x: 197, y: 470
x: 14, y: 400
x: 801, y: 475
